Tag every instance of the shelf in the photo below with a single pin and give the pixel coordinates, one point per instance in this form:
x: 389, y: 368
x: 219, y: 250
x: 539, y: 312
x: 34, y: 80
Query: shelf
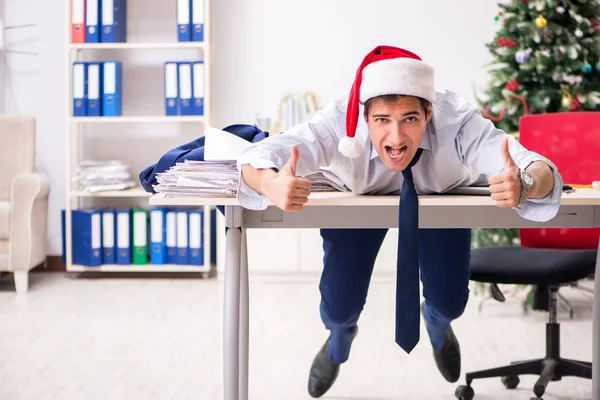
x: 140, y: 268
x: 136, y: 46
x: 132, y: 120
x: 134, y: 192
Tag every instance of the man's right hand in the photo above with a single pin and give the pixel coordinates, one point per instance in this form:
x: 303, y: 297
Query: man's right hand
x: 284, y: 189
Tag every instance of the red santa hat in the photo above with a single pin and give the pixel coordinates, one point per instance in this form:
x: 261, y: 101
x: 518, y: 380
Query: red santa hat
x: 385, y: 70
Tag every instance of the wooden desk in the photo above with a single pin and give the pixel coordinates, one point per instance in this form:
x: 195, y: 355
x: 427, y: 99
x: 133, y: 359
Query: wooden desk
x: 346, y: 210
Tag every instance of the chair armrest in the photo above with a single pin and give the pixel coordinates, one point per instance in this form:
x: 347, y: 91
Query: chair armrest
x: 28, y: 220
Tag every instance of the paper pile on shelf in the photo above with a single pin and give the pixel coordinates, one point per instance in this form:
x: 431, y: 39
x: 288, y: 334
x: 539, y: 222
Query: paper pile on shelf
x: 98, y: 176
x: 221, y: 179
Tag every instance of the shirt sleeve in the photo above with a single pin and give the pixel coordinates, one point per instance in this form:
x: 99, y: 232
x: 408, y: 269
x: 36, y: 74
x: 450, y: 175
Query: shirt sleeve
x: 317, y: 142
x: 478, y: 144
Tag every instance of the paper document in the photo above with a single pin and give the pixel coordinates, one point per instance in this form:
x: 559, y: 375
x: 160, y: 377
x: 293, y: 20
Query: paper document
x: 220, y: 145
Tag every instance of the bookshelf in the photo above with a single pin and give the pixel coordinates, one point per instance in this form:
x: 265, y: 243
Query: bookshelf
x: 151, y: 49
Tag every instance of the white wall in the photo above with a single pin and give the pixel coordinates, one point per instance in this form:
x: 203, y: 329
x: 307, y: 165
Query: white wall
x: 261, y: 50
x: 2, y: 68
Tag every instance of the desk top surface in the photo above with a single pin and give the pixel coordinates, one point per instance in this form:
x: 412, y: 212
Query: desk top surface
x: 579, y: 197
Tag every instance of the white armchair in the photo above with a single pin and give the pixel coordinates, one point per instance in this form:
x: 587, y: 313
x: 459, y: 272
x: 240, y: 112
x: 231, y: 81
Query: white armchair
x: 23, y: 201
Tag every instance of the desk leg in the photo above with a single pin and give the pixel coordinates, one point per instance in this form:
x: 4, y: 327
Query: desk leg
x: 244, y: 318
x: 596, y: 332
x: 231, y: 316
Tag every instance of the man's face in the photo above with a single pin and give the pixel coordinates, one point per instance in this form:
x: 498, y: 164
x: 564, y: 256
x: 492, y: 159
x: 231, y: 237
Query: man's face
x: 396, y: 128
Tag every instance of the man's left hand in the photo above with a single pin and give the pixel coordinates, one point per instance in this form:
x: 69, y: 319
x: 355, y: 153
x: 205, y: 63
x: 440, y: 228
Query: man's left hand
x: 506, y: 187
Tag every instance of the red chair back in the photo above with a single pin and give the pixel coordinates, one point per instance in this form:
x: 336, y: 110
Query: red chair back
x: 571, y: 140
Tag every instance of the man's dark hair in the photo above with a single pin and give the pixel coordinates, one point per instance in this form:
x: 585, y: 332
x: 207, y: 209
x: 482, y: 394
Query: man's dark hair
x: 393, y: 97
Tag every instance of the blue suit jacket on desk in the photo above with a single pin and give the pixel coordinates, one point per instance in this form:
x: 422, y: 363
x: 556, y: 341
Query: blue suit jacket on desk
x: 194, y: 150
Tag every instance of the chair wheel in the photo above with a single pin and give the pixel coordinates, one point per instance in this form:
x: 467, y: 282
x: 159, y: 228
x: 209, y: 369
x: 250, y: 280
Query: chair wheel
x: 511, y: 381
x: 464, y: 393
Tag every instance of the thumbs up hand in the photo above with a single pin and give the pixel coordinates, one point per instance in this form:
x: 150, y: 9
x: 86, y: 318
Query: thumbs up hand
x: 284, y: 189
x: 506, y: 187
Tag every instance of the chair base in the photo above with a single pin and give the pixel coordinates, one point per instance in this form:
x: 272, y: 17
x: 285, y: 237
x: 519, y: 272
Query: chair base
x: 548, y: 369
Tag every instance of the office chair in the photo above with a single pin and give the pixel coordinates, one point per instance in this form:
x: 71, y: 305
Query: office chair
x: 547, y: 258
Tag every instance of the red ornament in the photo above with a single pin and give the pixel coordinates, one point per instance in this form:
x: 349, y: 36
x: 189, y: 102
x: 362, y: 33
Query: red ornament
x: 595, y: 24
x: 575, y: 103
x: 512, y: 85
x: 501, y: 41
x: 525, y: 1
x: 511, y: 43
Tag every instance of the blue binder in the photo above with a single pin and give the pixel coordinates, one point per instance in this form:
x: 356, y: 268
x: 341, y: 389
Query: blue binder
x: 92, y: 21
x: 185, y: 88
x: 171, y: 237
x: 198, y: 82
x: 109, y: 253
x: 111, y: 89
x: 197, y: 20
x: 196, y: 237
x: 79, y: 89
x: 114, y: 21
x: 182, y: 257
x: 94, y: 89
x: 123, y: 237
x: 85, y: 239
x: 171, y: 89
x: 184, y: 33
x: 158, y: 236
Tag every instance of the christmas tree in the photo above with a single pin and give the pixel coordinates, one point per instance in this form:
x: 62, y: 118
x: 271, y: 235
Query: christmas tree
x: 546, y: 59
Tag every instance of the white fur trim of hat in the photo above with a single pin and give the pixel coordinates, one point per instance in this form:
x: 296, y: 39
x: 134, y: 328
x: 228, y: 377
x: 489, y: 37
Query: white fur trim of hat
x: 404, y: 76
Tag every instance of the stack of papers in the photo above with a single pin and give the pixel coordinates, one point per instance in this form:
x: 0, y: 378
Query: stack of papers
x: 97, y: 176
x: 218, y: 176
x: 221, y: 179
x: 199, y: 179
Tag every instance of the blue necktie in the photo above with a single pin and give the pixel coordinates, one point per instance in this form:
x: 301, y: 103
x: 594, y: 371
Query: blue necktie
x: 407, y: 269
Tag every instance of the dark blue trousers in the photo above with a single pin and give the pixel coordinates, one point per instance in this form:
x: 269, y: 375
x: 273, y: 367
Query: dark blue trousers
x: 350, y: 254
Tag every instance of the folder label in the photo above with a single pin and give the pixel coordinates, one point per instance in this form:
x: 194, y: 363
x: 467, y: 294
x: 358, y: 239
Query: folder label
x: 92, y: 15
x: 139, y: 233
x: 94, y: 81
x: 156, y: 222
x: 171, y: 87
x: 183, y: 13
x: 171, y: 223
x: 195, y: 231
x: 198, y: 80
x: 182, y: 231
x: 78, y: 13
x: 108, y: 230
x: 96, y: 234
x: 79, y: 81
x: 123, y: 226
x: 108, y: 12
x: 110, y: 78
x: 185, y: 81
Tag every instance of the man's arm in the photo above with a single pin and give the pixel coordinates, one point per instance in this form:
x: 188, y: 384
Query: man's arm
x: 316, y: 142
x: 543, y: 180
x: 479, y: 143
x: 283, y: 188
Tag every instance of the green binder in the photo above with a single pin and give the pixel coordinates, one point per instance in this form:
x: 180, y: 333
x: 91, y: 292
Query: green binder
x: 139, y: 233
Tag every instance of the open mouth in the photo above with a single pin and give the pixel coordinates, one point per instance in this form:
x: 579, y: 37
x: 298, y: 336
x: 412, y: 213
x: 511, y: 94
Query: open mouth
x: 396, y: 153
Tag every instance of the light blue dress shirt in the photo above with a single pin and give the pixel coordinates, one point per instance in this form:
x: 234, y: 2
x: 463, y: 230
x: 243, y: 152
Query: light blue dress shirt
x: 460, y: 148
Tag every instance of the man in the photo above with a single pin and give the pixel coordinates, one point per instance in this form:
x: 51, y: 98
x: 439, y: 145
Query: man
x: 411, y: 140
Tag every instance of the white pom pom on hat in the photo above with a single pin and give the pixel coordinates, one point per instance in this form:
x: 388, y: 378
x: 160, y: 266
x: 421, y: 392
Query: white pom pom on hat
x: 385, y: 70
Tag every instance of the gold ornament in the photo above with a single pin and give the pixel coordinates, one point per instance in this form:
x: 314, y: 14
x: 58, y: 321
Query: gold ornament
x: 566, y: 100
x: 541, y: 22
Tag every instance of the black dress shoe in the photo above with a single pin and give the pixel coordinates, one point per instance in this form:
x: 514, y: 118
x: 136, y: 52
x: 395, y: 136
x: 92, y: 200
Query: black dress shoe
x: 323, y: 372
x: 448, y: 360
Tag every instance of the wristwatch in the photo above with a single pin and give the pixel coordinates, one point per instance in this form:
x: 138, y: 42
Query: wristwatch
x: 526, y: 184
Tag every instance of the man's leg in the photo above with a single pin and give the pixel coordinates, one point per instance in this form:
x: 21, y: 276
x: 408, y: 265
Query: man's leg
x: 444, y: 256
x: 348, y: 264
